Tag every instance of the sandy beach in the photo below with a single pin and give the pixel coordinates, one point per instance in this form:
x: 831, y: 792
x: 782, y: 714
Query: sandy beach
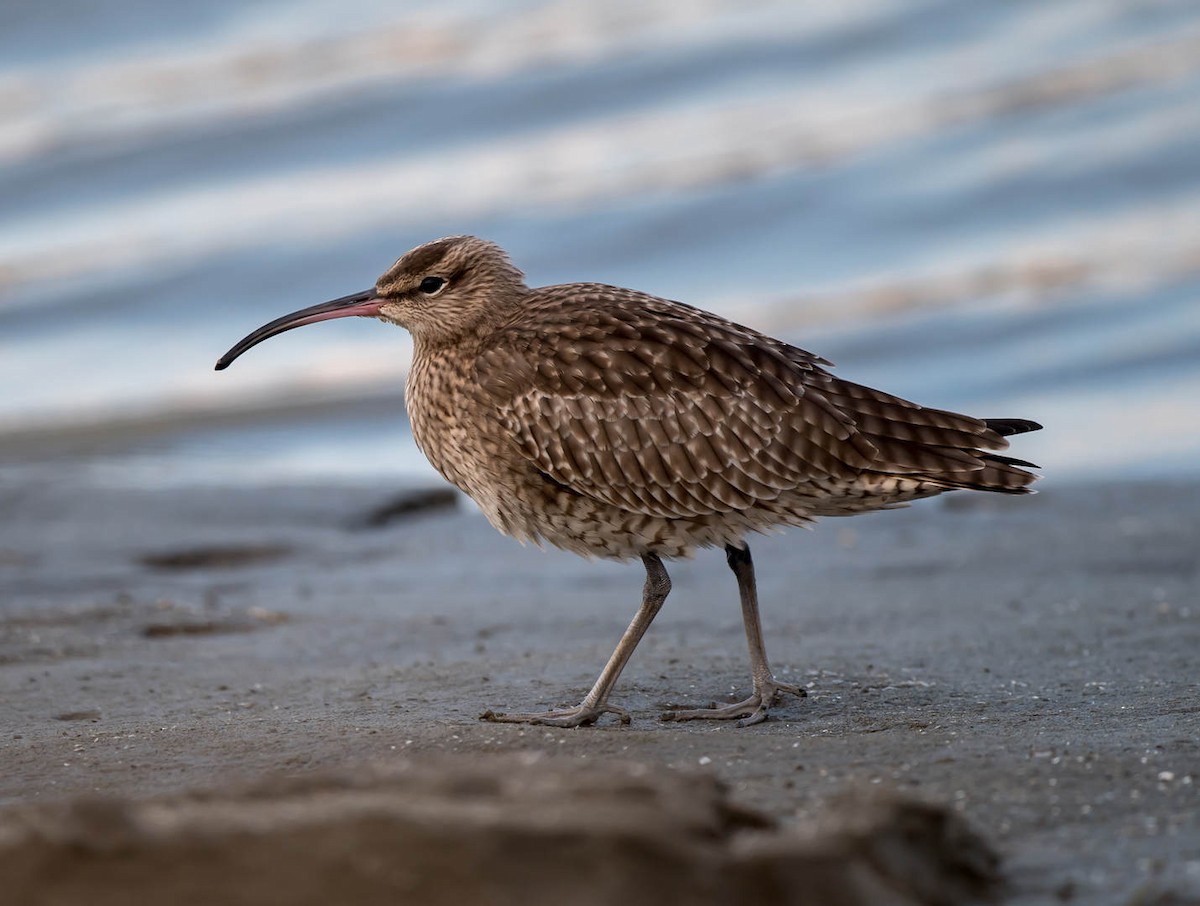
x: 1027, y: 665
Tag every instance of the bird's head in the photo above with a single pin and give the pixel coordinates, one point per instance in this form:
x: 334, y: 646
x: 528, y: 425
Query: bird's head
x: 438, y: 291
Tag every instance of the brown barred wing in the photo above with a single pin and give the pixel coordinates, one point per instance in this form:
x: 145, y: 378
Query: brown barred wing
x: 635, y: 402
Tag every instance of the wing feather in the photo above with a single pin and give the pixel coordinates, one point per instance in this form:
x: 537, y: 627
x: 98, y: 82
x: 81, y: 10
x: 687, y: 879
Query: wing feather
x: 644, y: 408
x: 669, y: 411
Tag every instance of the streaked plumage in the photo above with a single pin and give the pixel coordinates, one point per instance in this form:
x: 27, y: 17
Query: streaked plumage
x: 617, y: 424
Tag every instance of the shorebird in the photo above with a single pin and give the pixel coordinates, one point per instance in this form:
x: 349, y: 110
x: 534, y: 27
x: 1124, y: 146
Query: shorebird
x: 616, y: 424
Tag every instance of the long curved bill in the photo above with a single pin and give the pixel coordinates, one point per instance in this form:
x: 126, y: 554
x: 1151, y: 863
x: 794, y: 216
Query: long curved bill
x: 365, y: 304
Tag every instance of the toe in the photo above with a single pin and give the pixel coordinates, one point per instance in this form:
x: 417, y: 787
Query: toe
x: 580, y: 716
x: 780, y: 689
x: 758, y: 717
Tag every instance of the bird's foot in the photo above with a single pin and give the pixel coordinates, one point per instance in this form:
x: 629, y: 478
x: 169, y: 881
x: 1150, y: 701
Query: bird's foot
x: 747, y: 713
x: 582, y: 715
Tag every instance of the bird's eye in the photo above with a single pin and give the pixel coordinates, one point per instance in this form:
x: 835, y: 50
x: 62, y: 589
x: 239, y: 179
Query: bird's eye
x: 431, y: 285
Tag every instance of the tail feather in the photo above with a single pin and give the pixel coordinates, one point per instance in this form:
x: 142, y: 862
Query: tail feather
x: 912, y: 457
x: 999, y: 474
x: 879, y: 414
x: 947, y: 449
x: 1010, y: 461
x: 960, y: 436
x: 1006, y: 427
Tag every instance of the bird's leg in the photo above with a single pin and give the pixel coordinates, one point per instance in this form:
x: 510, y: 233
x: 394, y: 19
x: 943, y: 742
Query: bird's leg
x: 595, y: 703
x: 766, y: 688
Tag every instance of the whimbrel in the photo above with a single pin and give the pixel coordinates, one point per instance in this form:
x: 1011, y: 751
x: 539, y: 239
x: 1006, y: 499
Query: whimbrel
x: 616, y: 424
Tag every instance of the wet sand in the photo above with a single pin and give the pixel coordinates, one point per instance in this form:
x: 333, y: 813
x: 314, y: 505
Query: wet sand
x: 1027, y: 665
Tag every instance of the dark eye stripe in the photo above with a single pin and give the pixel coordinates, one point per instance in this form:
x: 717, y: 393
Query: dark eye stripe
x: 431, y: 285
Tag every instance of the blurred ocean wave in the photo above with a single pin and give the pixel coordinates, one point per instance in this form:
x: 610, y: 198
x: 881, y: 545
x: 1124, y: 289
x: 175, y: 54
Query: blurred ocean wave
x: 989, y: 205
